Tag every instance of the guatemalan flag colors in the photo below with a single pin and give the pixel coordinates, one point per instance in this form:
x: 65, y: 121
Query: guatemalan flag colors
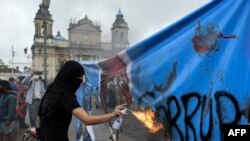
x: 193, y: 74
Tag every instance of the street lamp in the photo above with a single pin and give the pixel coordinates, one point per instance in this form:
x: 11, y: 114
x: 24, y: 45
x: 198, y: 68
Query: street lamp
x: 28, y: 56
x: 12, y: 56
x: 44, y: 45
x: 25, y: 50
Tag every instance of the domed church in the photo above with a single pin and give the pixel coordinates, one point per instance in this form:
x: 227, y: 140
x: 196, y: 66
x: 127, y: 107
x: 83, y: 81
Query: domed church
x: 84, y: 42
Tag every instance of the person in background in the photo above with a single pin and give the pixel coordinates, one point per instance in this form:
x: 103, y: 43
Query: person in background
x: 95, y: 93
x: 59, y: 104
x: 13, y: 84
x: 111, y: 98
x: 45, y: 83
x: 35, y: 92
x: 7, y: 112
x: 22, y: 105
x: 124, y: 91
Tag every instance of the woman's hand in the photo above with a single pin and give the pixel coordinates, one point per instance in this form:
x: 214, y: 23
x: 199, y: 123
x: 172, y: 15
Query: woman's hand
x: 81, y: 114
x: 118, y: 108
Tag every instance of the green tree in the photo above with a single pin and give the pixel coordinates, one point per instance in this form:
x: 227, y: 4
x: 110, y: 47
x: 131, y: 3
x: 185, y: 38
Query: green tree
x: 2, y: 66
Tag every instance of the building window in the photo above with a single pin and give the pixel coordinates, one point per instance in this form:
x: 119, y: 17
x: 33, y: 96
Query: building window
x: 36, y: 28
x: 116, y: 34
x: 122, y: 36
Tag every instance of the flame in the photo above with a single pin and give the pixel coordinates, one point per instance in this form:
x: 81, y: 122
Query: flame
x: 149, y: 120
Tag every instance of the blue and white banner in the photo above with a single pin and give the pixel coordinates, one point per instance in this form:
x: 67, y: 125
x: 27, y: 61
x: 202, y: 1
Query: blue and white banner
x: 194, y: 74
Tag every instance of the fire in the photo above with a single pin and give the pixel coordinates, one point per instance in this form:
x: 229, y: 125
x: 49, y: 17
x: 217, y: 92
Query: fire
x: 149, y: 120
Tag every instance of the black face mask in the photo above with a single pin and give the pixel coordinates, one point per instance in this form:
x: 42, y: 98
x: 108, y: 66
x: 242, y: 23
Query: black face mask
x: 69, y: 74
x: 75, y: 84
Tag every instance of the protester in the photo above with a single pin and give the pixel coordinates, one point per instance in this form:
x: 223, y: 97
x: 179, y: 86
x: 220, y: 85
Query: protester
x: 59, y: 103
x: 86, y: 92
x: 95, y: 93
x: 13, y: 84
x: 35, y: 92
x: 7, y: 112
x: 124, y: 91
x: 111, y: 98
x: 22, y: 105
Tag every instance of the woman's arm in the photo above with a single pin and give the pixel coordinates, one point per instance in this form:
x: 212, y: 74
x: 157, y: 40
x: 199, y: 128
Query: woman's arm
x: 98, y: 119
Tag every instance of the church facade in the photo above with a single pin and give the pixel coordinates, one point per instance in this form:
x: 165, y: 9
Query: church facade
x: 84, y: 42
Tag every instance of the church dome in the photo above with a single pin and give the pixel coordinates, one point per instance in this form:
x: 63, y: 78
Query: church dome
x: 119, y: 13
x: 119, y: 21
x: 59, y: 36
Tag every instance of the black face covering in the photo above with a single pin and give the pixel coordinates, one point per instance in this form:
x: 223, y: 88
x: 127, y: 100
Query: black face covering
x: 67, y: 81
x: 75, y: 83
x: 69, y: 74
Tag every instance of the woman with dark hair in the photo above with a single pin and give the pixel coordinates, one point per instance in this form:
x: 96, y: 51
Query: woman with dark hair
x: 7, y: 111
x: 59, y: 103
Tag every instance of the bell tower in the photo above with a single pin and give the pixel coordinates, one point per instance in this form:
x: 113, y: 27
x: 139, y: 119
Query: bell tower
x: 119, y: 33
x: 43, y: 18
x: 42, y: 52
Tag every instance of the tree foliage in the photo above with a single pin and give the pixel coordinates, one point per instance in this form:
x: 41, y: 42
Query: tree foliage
x: 2, y: 66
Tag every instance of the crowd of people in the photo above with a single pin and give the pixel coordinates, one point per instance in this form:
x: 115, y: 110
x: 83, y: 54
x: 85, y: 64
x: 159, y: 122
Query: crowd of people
x: 117, y: 92
x: 19, y: 97
x: 30, y: 97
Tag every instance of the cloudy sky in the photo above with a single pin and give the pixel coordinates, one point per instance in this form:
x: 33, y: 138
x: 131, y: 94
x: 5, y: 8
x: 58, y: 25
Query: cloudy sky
x: 144, y: 18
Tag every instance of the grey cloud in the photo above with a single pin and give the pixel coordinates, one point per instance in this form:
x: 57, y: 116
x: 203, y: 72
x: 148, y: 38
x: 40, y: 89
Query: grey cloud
x: 144, y: 17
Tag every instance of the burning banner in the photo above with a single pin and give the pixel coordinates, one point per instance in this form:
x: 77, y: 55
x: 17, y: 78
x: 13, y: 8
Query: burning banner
x: 149, y: 119
x: 194, y: 75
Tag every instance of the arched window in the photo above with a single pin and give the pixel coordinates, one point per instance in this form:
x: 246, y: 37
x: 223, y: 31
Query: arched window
x: 36, y: 28
x: 116, y: 35
x: 122, y: 36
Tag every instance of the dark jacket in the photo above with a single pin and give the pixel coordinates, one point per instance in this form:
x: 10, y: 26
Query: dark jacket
x: 8, y: 104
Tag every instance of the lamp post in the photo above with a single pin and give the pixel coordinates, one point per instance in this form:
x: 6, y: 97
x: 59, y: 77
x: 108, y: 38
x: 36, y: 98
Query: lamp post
x: 28, y: 57
x: 44, y: 45
x: 12, y: 56
x: 25, y: 50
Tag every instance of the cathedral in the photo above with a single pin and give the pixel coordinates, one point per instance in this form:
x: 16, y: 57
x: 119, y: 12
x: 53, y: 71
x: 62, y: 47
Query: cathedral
x: 84, y: 42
